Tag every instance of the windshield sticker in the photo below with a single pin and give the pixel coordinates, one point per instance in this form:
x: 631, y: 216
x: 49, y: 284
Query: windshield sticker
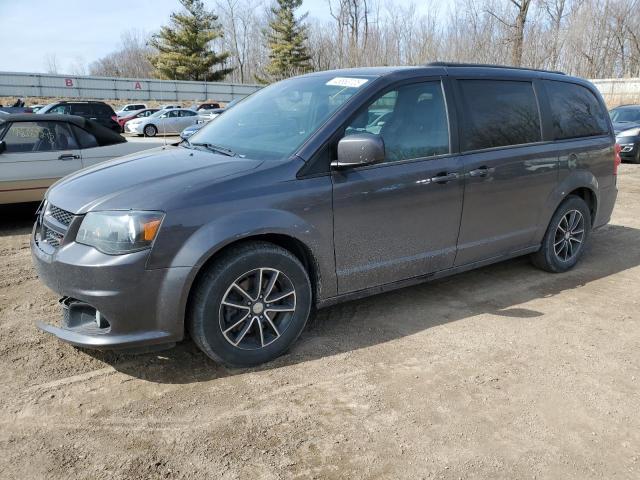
x: 347, y: 82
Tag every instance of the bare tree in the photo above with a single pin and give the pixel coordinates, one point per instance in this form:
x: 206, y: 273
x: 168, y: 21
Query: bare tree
x: 51, y: 63
x: 131, y: 59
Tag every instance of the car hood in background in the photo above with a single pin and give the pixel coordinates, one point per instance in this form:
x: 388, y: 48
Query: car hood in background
x: 145, y: 181
x: 622, y: 126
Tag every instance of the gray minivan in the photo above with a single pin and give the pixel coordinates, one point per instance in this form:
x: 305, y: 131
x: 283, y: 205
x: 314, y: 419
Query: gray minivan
x: 323, y: 188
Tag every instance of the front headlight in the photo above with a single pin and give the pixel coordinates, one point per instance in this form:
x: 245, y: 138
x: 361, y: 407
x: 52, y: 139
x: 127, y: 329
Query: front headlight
x: 632, y: 132
x: 117, y: 233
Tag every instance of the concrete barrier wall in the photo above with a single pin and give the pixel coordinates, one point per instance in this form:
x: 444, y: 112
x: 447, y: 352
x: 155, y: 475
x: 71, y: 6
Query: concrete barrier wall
x: 619, y: 91
x: 14, y: 84
x: 615, y: 91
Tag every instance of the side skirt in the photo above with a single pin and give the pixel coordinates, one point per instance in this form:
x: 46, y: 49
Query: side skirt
x: 327, y: 302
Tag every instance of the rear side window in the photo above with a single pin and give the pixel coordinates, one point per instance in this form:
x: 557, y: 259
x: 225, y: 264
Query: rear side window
x: 102, y: 111
x: 575, y: 111
x: 498, y: 113
x: 85, y: 139
x: 82, y: 109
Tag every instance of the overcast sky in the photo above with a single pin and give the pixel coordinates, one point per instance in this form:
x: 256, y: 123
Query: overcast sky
x: 81, y: 31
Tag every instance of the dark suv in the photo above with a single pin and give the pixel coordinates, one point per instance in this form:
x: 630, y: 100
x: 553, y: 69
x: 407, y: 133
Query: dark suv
x: 323, y: 188
x: 99, y: 112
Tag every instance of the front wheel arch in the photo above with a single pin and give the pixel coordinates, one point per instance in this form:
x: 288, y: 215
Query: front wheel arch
x: 293, y: 245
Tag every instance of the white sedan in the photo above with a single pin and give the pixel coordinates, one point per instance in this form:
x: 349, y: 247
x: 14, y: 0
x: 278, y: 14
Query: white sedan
x: 36, y: 150
x: 162, y: 122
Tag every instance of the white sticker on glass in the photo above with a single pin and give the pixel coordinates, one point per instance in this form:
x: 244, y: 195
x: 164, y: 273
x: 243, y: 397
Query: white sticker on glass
x: 347, y: 82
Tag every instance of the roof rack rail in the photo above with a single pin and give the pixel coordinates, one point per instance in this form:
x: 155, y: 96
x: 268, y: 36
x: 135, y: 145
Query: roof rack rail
x: 487, y: 65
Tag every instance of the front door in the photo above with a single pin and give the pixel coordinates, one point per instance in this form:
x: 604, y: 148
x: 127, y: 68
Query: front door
x: 37, y: 154
x: 399, y: 219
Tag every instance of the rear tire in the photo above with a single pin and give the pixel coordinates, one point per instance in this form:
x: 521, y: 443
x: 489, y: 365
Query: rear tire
x: 564, y: 241
x: 150, y: 131
x: 250, y: 305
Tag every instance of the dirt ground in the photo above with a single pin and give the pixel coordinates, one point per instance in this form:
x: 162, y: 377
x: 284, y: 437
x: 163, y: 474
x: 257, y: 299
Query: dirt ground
x: 502, y: 373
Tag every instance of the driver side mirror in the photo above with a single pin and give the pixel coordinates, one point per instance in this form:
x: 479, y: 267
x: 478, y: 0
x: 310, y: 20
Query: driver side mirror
x: 358, y: 150
x: 3, y: 146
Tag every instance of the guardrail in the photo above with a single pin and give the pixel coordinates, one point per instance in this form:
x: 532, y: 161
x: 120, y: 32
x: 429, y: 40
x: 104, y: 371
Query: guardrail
x: 16, y: 84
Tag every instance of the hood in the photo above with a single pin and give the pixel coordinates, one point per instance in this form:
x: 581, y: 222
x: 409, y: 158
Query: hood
x: 622, y: 126
x: 145, y: 180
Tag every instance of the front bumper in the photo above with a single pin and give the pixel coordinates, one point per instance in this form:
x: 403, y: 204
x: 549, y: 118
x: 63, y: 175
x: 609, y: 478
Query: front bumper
x: 138, y: 307
x: 629, y: 147
x: 136, y: 128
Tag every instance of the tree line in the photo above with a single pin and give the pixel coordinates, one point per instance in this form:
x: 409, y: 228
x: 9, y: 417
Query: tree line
x: 250, y: 41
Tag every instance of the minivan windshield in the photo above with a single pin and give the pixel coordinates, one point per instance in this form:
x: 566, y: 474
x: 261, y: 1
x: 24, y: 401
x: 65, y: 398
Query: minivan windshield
x: 273, y: 122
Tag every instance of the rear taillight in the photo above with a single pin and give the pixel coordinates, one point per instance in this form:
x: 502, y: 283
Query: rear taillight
x: 616, y: 158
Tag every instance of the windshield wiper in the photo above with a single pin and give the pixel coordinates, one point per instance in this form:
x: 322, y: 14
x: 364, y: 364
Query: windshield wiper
x: 216, y: 148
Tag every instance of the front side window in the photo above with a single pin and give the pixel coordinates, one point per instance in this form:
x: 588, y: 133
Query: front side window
x: 187, y: 113
x: 274, y: 122
x: 61, y: 110
x: 575, y: 111
x: 412, y: 121
x: 498, y: 113
x: 22, y: 137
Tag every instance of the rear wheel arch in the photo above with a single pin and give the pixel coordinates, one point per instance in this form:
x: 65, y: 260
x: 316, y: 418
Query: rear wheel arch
x: 589, y: 197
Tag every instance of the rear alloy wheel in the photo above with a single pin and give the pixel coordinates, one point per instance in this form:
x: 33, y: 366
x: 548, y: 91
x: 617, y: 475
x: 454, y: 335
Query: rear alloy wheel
x: 566, y: 235
x: 150, y: 131
x: 250, y: 305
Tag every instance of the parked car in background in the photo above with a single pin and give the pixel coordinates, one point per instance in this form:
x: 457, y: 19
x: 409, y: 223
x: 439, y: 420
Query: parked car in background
x: 626, y: 124
x: 293, y: 199
x: 98, y: 111
x: 162, y: 122
x: 169, y: 106
x: 38, y: 149
x: 204, y: 106
x: 130, y: 108
x: 187, y: 132
x: 16, y: 109
x: 137, y: 114
x: 35, y: 108
x: 210, y: 114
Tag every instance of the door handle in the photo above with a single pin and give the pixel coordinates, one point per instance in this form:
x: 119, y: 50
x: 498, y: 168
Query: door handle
x: 445, y: 177
x: 68, y: 156
x: 480, y: 172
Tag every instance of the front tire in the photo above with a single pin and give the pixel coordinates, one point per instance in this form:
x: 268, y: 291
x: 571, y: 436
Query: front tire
x: 250, y: 305
x: 150, y: 131
x: 564, y: 241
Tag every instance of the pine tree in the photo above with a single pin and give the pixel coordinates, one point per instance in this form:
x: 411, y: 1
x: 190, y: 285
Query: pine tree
x: 184, y: 50
x: 286, y: 38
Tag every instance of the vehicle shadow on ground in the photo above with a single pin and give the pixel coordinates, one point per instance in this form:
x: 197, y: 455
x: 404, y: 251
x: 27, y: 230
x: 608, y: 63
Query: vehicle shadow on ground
x: 499, y: 290
x: 17, y: 219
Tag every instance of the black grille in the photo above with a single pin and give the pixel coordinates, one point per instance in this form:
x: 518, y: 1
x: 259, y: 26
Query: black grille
x: 52, y: 238
x: 60, y: 215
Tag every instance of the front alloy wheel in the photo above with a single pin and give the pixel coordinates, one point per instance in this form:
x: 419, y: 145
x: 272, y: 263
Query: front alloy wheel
x: 257, y: 308
x: 250, y: 304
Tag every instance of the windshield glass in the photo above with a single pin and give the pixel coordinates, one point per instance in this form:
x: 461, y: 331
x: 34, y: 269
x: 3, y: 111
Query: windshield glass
x: 273, y: 122
x: 625, y: 115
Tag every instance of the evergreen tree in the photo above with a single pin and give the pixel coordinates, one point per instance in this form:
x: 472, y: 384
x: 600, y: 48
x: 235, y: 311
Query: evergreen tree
x: 286, y: 38
x: 184, y: 50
